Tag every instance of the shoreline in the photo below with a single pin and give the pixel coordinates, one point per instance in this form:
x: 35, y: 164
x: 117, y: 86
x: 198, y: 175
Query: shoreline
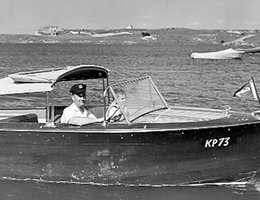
x: 218, y: 38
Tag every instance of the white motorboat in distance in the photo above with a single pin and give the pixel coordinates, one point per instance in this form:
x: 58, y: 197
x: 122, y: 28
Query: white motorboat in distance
x: 224, y: 54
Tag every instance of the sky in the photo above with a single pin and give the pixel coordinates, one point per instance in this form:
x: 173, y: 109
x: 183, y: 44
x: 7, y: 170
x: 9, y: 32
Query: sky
x: 27, y: 16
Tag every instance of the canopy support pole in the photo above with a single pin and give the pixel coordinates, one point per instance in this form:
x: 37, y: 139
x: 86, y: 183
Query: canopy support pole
x: 47, y: 107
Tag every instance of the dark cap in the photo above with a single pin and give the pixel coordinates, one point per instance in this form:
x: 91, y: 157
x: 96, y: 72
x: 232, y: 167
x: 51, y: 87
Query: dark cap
x: 78, y: 89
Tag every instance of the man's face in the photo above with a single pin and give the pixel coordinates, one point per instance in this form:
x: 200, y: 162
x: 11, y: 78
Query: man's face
x: 79, y: 100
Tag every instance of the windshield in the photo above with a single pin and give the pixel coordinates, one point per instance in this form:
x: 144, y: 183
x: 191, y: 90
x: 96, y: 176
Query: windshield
x: 142, y: 97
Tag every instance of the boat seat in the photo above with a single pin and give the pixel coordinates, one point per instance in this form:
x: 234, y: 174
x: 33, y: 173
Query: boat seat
x: 57, y: 118
x: 22, y: 118
x: 58, y: 110
x: 97, y: 111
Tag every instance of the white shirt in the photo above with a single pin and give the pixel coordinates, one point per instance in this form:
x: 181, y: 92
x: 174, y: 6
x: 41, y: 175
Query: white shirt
x: 74, y: 111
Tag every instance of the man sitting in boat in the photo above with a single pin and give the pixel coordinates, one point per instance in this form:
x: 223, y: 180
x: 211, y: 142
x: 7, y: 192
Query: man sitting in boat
x: 114, y: 112
x: 76, y: 113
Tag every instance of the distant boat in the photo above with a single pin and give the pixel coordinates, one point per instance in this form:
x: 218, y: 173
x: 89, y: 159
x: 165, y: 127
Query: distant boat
x: 224, y: 54
x: 253, y: 50
x: 236, y: 32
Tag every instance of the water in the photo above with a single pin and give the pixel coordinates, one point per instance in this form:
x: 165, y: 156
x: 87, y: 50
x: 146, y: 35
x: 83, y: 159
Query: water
x: 182, y: 81
x: 41, y: 191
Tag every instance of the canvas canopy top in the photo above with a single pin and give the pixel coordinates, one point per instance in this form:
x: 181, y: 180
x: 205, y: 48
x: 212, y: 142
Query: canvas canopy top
x: 44, y: 80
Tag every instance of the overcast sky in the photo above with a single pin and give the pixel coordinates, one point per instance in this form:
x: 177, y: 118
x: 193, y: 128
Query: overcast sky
x: 27, y: 16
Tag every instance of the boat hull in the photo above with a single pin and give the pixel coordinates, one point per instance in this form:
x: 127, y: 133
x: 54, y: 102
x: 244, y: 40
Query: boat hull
x: 224, y: 54
x: 132, y: 155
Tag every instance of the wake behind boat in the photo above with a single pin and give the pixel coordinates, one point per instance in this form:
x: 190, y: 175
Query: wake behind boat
x: 155, y: 144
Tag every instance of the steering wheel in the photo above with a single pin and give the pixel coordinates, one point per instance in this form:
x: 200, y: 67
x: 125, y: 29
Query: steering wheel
x: 115, y: 118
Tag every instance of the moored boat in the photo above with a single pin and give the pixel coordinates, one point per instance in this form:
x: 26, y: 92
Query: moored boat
x: 253, y: 50
x: 218, y: 55
x: 155, y: 144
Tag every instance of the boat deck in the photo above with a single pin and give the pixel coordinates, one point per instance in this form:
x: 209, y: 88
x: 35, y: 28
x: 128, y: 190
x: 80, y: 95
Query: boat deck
x: 182, y: 115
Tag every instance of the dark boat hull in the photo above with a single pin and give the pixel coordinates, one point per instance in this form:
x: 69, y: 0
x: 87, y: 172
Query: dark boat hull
x: 130, y: 155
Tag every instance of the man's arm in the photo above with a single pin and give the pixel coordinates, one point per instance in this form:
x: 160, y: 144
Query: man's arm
x: 84, y: 120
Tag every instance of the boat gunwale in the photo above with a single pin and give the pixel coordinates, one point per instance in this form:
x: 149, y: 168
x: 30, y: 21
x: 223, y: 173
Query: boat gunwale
x: 83, y: 129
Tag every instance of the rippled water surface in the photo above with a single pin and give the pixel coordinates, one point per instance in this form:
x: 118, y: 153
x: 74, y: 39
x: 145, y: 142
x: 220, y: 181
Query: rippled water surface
x: 182, y: 81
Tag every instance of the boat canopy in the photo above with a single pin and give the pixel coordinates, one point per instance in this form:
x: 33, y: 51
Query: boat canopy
x: 8, y: 86
x: 44, y: 80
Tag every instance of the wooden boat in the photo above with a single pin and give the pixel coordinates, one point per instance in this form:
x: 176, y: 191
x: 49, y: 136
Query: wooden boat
x: 155, y: 144
x: 224, y: 54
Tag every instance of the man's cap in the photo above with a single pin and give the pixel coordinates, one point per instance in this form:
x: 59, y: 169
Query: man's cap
x: 78, y: 89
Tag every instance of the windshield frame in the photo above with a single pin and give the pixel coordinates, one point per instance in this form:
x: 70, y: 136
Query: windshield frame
x: 145, y: 109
